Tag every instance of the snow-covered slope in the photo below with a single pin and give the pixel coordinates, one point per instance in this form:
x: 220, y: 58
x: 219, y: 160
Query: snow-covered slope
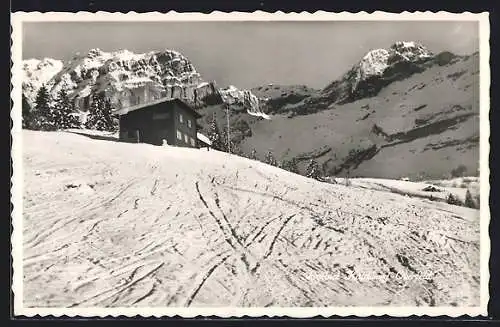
x: 188, y: 227
x: 419, y: 120
x: 432, y: 190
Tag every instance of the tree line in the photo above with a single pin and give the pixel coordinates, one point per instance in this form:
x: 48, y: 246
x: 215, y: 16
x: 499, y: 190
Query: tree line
x: 50, y: 114
x: 220, y: 142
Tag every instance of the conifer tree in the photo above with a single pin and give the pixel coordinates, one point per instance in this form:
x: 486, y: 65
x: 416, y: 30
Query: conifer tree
x: 270, y: 160
x: 452, y: 199
x: 43, y: 114
x: 99, y: 116
x: 108, y: 123
x: 26, y: 113
x: 94, y: 111
x: 63, y: 112
x: 469, y: 202
x: 214, y: 135
x: 291, y: 165
x: 312, y: 170
x: 253, y: 154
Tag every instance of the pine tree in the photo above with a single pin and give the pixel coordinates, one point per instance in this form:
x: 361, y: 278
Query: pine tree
x: 270, y: 160
x: 312, y: 170
x: 107, y: 122
x: 99, y: 116
x: 27, y: 114
x: 94, y: 112
x: 291, y: 165
x: 347, y: 176
x: 469, y: 202
x: 253, y: 154
x: 214, y: 135
x: 63, y: 112
x: 452, y: 199
x: 42, y: 117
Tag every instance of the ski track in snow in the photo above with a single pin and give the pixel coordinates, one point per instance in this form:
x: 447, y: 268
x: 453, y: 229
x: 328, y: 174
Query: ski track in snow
x: 165, y: 226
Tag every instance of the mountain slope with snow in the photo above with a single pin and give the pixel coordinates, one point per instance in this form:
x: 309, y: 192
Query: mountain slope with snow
x: 175, y: 226
x: 423, y: 124
x: 398, y: 112
x: 37, y: 73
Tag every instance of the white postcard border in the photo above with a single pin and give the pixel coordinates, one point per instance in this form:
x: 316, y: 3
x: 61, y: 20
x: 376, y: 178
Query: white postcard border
x: 17, y: 20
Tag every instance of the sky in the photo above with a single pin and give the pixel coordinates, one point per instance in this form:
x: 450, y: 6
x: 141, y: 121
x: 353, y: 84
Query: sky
x: 249, y: 54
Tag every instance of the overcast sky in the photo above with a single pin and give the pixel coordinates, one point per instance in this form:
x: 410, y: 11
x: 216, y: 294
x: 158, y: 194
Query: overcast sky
x: 248, y: 54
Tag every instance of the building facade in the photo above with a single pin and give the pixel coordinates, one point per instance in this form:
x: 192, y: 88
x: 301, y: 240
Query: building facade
x: 170, y: 121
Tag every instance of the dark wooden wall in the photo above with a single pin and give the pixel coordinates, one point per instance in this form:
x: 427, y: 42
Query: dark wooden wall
x: 184, y: 127
x: 158, y: 122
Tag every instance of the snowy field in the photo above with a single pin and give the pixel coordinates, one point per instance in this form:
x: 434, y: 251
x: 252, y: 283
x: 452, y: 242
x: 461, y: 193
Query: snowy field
x: 433, y: 190
x: 115, y: 225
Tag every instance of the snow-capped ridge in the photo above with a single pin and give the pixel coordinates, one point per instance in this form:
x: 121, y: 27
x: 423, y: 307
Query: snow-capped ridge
x: 125, y: 77
x: 232, y: 95
x: 129, y: 79
x: 38, y: 72
x: 376, y: 61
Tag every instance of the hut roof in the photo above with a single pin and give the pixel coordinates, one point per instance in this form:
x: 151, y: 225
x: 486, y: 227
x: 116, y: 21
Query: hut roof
x: 124, y: 111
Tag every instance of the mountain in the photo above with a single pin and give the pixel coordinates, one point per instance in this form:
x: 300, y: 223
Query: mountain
x: 398, y: 112
x: 38, y: 72
x: 378, y: 68
x: 110, y: 224
x: 127, y: 79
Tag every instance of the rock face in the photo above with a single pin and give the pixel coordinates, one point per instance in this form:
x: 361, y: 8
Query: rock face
x: 364, y: 78
x: 126, y: 78
x: 410, y: 115
x: 375, y: 62
x: 374, y: 71
x: 245, y: 99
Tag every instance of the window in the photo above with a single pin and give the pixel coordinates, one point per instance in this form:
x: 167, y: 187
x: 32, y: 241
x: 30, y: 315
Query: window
x: 180, y: 118
x: 189, y: 123
x: 179, y: 135
x: 192, y: 142
x: 186, y: 138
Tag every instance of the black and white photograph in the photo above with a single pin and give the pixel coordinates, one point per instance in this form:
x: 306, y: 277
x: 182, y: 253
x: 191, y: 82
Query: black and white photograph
x: 250, y: 164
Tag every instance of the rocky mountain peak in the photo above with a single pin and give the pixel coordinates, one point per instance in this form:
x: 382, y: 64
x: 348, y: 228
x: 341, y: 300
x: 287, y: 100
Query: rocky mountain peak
x: 127, y: 79
x: 375, y: 62
x: 365, y: 77
x: 411, y: 51
x: 94, y: 53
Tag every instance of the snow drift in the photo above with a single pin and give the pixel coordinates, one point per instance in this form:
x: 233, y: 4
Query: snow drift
x: 114, y: 224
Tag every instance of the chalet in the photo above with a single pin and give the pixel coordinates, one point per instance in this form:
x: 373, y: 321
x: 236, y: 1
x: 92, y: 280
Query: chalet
x: 167, y: 120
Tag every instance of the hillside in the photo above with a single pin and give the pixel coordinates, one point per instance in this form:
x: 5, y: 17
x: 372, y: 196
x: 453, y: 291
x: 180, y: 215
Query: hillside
x: 421, y: 126
x: 171, y: 226
x: 397, y: 112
